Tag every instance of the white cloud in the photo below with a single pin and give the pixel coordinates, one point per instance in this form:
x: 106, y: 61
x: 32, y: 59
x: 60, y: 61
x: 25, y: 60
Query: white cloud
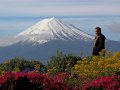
x: 59, y: 7
x: 6, y: 41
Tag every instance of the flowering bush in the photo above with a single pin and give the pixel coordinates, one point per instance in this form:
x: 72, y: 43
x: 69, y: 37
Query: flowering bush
x: 98, y: 66
x: 33, y: 80
x: 104, y: 83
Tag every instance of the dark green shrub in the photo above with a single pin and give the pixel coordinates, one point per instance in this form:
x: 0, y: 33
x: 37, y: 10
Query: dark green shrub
x: 61, y: 62
x: 19, y: 63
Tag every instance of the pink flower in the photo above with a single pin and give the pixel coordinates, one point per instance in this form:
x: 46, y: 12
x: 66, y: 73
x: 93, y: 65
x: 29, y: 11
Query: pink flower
x: 108, y: 82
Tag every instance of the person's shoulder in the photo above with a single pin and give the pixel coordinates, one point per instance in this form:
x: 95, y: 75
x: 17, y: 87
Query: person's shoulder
x: 102, y: 36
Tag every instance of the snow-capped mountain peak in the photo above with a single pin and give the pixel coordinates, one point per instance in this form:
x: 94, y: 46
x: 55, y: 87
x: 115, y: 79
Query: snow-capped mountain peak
x: 53, y: 29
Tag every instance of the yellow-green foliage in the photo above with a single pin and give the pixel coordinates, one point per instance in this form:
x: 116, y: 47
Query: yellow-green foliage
x: 98, y: 66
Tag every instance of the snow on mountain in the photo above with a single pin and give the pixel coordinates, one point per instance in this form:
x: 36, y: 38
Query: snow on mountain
x: 53, y: 29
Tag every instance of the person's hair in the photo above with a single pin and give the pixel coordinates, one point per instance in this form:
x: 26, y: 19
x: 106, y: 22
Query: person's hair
x: 98, y: 28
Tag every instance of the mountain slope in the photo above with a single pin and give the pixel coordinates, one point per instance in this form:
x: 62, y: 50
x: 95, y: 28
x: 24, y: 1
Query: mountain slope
x: 44, y: 51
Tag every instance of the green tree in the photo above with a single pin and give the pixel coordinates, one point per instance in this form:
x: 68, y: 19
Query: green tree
x: 62, y: 62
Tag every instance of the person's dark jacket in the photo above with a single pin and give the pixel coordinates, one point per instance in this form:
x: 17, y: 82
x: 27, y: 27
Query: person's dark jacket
x: 99, y: 44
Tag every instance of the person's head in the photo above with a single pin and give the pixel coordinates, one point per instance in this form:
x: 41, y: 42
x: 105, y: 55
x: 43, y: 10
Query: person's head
x: 98, y: 31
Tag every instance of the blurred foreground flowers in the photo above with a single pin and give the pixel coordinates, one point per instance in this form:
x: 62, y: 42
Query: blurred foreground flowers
x: 63, y: 72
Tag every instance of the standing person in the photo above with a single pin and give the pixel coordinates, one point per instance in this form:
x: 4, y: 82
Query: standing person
x: 99, y: 42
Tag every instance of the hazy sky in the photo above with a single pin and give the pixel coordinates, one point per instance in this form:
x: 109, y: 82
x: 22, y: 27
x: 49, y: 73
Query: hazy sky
x: 59, y: 7
x: 11, y: 26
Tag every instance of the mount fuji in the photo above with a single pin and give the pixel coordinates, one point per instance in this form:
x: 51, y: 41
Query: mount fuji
x: 42, y: 40
x: 52, y: 29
